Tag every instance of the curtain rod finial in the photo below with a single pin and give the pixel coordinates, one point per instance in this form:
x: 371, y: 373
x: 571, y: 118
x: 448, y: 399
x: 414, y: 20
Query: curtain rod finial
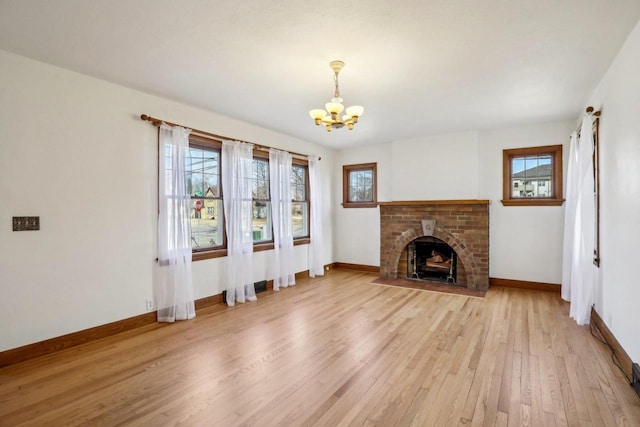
x: 590, y: 110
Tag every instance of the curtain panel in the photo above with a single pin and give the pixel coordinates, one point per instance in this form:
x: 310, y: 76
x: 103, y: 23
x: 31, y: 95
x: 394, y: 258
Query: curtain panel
x: 579, y: 273
x: 280, y: 164
x: 569, y: 217
x: 173, y: 285
x: 316, y: 266
x: 237, y: 173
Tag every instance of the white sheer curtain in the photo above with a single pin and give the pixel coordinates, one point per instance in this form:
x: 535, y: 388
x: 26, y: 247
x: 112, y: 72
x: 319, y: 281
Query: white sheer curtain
x: 580, y: 288
x: 569, y: 216
x: 174, y: 287
x: 280, y: 163
x: 317, y: 236
x: 237, y: 170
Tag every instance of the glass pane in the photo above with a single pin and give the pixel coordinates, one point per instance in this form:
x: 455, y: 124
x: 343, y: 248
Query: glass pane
x: 210, y: 163
x: 194, y: 181
x: 260, y: 186
x: 361, y: 186
x: 299, y: 219
x: 206, y: 223
x: 355, y: 195
x: 261, y: 221
x: 298, y: 193
x: 356, y: 177
x: 211, y: 185
x: 298, y: 183
x: 167, y: 157
x: 202, y: 172
x: 532, y: 176
x: 368, y: 192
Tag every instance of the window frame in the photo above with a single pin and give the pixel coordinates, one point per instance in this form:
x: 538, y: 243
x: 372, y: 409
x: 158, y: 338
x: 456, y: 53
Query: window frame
x: 305, y: 165
x: 346, y: 172
x: 556, y: 198
x: 204, y: 143
x: 264, y: 245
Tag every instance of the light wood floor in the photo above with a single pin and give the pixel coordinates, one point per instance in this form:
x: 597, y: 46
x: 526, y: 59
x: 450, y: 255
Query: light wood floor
x: 336, y: 351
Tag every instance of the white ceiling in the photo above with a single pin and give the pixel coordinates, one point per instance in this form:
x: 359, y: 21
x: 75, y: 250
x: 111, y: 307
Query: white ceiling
x: 418, y: 67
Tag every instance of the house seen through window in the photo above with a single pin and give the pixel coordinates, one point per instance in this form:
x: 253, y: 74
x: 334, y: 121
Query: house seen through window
x: 530, y: 176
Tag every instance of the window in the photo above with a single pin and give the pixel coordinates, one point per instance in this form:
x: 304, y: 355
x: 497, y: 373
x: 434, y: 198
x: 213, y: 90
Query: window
x: 359, y: 186
x: 202, y: 169
x: 300, y: 200
x: 261, y: 201
x: 204, y: 184
x: 532, y: 176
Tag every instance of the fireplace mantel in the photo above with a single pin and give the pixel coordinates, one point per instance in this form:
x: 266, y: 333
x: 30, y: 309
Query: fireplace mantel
x: 436, y: 202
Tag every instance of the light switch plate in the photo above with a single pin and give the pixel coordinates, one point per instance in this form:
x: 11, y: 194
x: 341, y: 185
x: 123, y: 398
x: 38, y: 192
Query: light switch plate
x: 24, y: 223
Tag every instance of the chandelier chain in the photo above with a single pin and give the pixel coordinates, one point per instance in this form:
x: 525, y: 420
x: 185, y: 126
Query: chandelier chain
x: 336, y: 94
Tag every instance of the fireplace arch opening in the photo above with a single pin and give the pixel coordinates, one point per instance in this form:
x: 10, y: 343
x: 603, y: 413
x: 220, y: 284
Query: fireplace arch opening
x: 432, y: 259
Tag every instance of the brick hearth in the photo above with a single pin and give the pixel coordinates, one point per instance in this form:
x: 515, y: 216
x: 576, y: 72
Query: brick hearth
x: 462, y: 224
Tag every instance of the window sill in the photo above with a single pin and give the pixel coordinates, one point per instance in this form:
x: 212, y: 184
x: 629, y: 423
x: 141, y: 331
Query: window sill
x: 215, y: 253
x: 532, y: 202
x: 360, y: 205
x: 258, y: 247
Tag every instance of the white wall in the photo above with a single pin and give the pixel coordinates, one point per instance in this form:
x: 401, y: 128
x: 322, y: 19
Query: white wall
x: 438, y: 167
x: 357, y: 230
x: 618, y: 293
x: 525, y: 241
x: 74, y: 151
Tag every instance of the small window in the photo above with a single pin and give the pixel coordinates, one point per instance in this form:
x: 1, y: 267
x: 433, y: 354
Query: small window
x: 532, y: 176
x: 359, y: 186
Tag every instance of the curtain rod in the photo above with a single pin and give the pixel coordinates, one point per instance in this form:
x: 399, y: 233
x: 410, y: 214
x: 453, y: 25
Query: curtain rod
x: 158, y: 122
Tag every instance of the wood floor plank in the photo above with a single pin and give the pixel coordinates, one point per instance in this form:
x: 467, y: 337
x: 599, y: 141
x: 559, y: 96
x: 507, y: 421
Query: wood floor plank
x: 335, y: 351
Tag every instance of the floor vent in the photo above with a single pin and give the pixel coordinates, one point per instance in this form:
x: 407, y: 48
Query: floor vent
x: 635, y: 382
x: 260, y: 286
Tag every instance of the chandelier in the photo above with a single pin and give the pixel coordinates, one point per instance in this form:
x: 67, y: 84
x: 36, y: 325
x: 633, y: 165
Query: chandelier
x: 330, y: 117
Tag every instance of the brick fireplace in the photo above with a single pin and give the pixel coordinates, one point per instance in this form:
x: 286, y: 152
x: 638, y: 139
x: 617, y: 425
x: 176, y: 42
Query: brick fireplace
x: 462, y: 224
